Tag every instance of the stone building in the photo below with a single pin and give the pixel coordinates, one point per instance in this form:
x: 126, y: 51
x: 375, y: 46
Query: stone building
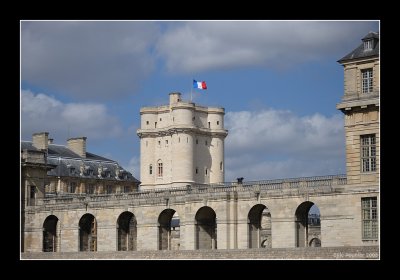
x: 50, y: 170
x: 180, y: 144
x: 181, y: 209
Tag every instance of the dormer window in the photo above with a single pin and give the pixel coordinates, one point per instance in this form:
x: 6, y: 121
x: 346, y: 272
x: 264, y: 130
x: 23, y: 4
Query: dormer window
x: 71, y: 169
x: 368, y: 45
x: 107, y: 174
x: 89, y: 172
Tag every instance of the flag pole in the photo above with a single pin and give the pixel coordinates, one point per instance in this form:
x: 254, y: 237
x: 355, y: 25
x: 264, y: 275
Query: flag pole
x: 191, y: 89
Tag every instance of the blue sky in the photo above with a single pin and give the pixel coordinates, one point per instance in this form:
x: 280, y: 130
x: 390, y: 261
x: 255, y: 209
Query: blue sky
x: 279, y: 82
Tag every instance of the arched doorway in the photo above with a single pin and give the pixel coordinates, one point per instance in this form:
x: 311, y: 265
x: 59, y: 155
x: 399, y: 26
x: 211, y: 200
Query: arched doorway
x: 88, y: 233
x: 259, y: 221
x: 168, y: 230
x: 308, y: 224
x: 50, y: 234
x: 127, y: 232
x: 206, y: 228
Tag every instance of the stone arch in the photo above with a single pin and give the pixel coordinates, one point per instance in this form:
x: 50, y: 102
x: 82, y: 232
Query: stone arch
x: 259, y: 221
x: 88, y: 233
x: 168, y: 230
x: 315, y: 242
x: 50, y: 239
x: 206, y: 228
x: 306, y: 226
x: 126, y: 232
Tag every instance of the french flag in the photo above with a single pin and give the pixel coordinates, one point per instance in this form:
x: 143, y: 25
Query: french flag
x: 200, y: 85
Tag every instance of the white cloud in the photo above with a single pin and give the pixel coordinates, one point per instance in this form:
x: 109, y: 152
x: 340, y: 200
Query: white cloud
x: 134, y: 167
x: 200, y: 46
x: 89, y: 60
x: 278, y: 144
x: 40, y: 112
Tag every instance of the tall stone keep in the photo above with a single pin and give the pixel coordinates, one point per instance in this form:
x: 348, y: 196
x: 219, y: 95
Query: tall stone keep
x: 181, y: 144
x: 360, y: 104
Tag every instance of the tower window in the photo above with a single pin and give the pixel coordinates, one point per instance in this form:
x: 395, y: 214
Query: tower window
x: 155, y: 125
x: 159, y: 143
x: 150, y: 169
x: 368, y: 153
x: 206, y: 143
x: 367, y: 79
x: 221, y: 166
x: 369, y: 218
x: 206, y: 172
x: 166, y: 142
x: 160, y: 119
x: 197, y: 141
x: 160, y: 169
x: 209, y: 124
x: 147, y: 122
x: 217, y: 122
x: 197, y: 170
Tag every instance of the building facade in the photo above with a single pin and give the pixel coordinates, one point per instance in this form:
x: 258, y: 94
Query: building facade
x: 179, y: 209
x: 50, y: 170
x: 181, y: 144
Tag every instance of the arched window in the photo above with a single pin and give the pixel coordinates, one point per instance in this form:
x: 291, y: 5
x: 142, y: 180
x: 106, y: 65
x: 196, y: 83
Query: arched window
x: 50, y: 234
x: 206, y: 228
x: 168, y: 230
x: 127, y: 232
x: 88, y: 233
x: 308, y: 224
x: 160, y: 168
x: 259, y: 220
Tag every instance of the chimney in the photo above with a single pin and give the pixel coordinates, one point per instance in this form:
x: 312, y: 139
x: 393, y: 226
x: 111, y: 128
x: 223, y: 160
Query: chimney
x: 40, y: 140
x: 174, y: 97
x: 50, y: 141
x: 78, y: 145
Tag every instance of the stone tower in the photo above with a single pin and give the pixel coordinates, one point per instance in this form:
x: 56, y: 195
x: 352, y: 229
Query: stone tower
x: 360, y: 104
x: 181, y: 144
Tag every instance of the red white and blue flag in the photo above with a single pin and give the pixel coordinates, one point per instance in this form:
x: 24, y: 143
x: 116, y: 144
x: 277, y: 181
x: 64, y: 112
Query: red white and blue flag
x: 200, y: 85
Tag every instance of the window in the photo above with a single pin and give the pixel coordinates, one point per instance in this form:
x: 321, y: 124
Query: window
x: 32, y: 192
x: 159, y: 143
x: 107, y: 174
x: 206, y: 143
x: 160, y: 119
x: 366, y: 80
x: 147, y: 143
x: 71, y: 170
x: 369, y: 218
x: 160, y: 169
x: 217, y: 122
x: 109, y: 189
x: 209, y: 124
x: 179, y: 139
x: 197, y: 141
x: 206, y: 171
x: 166, y: 142
x: 368, y: 45
x: 155, y: 125
x: 197, y: 170
x: 90, y: 189
x: 150, y: 169
x: 221, y: 166
x: 368, y: 153
x: 127, y: 189
x: 147, y: 122
x: 90, y: 172
x: 72, y: 187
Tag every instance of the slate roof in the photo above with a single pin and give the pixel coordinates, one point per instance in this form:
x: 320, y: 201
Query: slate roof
x: 72, y: 165
x: 359, y: 52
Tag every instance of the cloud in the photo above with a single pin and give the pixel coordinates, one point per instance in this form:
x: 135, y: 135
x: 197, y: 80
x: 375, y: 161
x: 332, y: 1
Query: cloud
x: 201, y: 46
x: 279, y: 144
x: 134, y: 167
x: 40, y: 112
x: 87, y: 60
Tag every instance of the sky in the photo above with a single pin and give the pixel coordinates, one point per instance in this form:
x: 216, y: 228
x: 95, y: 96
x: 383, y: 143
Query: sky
x: 279, y: 82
